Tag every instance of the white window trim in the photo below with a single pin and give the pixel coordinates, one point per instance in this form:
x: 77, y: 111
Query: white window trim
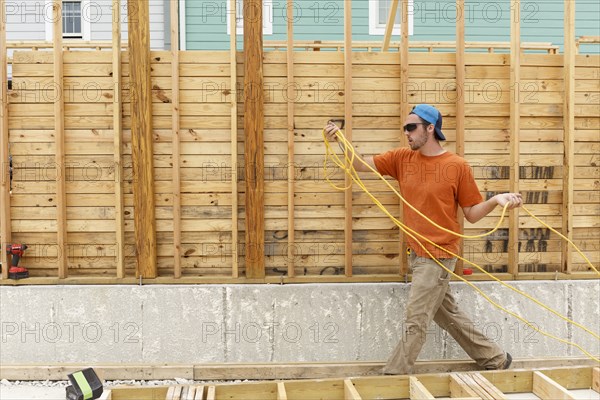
x: 375, y: 28
x: 267, y: 19
x: 86, y: 25
x: 182, y: 26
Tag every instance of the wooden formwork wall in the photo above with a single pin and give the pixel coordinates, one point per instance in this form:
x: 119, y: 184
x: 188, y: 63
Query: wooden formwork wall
x: 206, y: 163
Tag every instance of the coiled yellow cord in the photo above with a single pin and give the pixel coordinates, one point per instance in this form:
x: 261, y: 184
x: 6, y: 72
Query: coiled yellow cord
x: 347, y: 166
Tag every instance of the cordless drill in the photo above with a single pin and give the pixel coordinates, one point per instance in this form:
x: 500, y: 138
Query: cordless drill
x: 16, y: 251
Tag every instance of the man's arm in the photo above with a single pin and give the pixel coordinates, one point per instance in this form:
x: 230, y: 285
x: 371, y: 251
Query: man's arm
x: 478, y: 211
x: 330, y: 131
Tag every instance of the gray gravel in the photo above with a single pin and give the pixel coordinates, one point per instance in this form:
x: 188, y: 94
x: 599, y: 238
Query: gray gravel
x: 55, y: 390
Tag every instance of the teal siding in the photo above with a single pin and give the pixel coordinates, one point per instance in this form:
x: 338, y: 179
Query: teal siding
x: 541, y: 21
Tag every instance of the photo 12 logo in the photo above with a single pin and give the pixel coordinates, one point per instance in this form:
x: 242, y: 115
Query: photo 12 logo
x: 254, y: 332
x: 69, y: 332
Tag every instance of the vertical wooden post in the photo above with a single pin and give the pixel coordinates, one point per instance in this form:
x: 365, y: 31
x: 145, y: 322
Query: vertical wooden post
x: 290, y: 123
x: 390, y: 26
x: 141, y: 137
x: 235, y: 265
x: 515, y: 126
x: 348, y: 131
x: 460, y: 102
x: 176, y: 189
x: 404, y: 110
x: 118, y: 137
x: 5, y: 221
x: 59, y: 137
x: 254, y: 149
x: 569, y: 134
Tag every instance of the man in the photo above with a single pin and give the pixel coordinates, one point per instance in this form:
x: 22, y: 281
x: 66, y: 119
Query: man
x: 436, y: 182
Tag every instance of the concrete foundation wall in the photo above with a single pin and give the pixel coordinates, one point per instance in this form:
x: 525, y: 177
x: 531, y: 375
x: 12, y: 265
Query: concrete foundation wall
x: 184, y: 324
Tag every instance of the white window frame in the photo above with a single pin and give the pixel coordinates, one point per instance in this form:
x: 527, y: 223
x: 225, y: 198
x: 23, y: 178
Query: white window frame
x: 375, y: 28
x: 182, y: 26
x: 86, y: 25
x: 267, y: 18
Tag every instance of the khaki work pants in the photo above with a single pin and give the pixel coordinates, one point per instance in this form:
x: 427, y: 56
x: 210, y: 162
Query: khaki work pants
x: 430, y: 299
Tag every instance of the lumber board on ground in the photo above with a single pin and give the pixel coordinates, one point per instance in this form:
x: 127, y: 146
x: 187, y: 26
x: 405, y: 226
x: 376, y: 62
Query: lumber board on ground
x: 495, y: 386
x: 458, y: 388
x: 547, y: 389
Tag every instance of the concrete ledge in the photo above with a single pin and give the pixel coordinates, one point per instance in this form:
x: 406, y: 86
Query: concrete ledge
x: 269, y: 371
x: 331, y: 323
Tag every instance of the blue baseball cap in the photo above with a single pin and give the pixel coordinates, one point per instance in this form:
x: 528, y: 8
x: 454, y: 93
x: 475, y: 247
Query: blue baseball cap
x: 432, y: 115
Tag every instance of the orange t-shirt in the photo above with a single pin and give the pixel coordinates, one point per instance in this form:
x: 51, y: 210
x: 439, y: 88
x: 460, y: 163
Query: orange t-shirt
x: 435, y: 186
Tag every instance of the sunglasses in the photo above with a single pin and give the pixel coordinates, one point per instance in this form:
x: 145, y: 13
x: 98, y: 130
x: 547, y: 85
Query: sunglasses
x: 413, y: 126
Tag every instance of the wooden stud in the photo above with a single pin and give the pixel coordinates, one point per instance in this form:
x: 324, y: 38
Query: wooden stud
x: 235, y: 267
x: 254, y: 133
x: 106, y: 395
x: 174, y: 393
x: 59, y: 134
x: 418, y: 391
x: 185, y: 392
x: 198, y: 393
x: 190, y: 393
x: 460, y: 102
x: 492, y: 390
x: 547, y: 389
x: 350, y: 392
x: 348, y: 133
x: 569, y: 133
x: 291, y: 137
x: 404, y: 110
x: 211, y: 393
x: 177, y: 393
x: 118, y: 137
x: 141, y: 137
x: 5, y: 218
x: 515, y: 127
x: 470, y: 382
x: 458, y: 388
x: 389, y: 27
x: 175, y: 124
x: 281, y: 393
x: 596, y: 379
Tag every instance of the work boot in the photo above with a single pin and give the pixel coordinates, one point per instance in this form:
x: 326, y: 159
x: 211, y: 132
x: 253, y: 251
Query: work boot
x: 505, y: 365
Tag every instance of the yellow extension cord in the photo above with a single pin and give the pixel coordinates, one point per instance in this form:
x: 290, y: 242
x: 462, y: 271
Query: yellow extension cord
x: 347, y: 147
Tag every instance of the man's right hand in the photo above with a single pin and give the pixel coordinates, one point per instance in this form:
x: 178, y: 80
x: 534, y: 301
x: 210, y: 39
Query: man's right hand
x: 330, y: 130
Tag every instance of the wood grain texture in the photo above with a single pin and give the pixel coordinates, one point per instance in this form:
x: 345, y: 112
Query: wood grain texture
x: 569, y: 132
x: 515, y: 128
x: 118, y: 140
x: 176, y: 142
x: 5, y: 218
x: 254, y: 138
x: 141, y: 138
x: 212, y: 155
x: 59, y: 135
